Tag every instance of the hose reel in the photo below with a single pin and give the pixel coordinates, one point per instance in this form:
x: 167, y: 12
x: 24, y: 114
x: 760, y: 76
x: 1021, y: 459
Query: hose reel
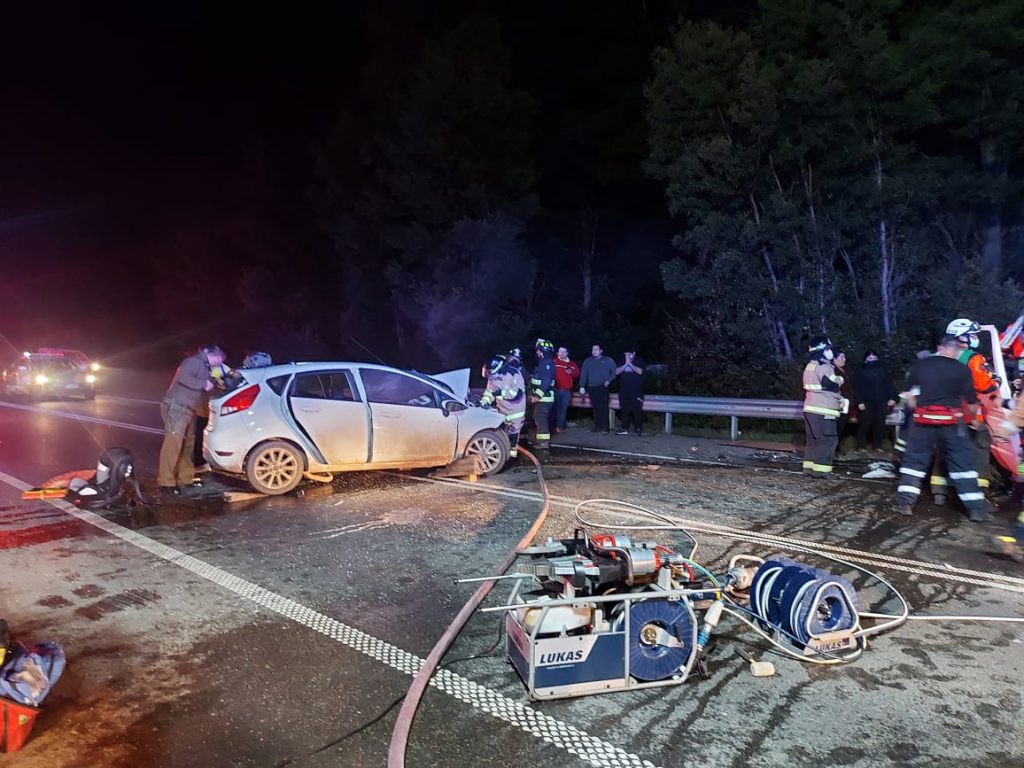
x: 803, y: 603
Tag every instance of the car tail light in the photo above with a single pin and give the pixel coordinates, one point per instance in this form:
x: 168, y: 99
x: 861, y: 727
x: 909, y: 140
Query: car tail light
x: 240, y: 401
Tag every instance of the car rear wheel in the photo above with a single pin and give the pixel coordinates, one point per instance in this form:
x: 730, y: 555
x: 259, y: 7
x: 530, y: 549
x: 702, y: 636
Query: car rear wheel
x: 274, y: 468
x: 490, y: 449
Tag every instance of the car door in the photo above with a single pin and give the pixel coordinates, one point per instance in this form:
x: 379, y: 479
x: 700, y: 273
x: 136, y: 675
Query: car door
x: 328, y: 408
x: 409, y: 425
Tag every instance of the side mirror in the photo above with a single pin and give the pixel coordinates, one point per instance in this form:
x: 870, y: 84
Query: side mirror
x: 450, y: 406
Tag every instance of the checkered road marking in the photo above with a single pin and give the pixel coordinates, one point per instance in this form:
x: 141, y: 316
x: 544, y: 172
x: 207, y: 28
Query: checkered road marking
x: 517, y: 714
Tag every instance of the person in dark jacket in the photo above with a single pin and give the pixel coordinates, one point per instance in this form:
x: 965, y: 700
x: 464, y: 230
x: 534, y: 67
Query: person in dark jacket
x: 631, y: 394
x: 596, y: 375
x: 874, y: 396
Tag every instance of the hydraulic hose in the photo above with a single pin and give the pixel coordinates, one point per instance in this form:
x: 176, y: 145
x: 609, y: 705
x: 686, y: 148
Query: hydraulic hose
x: 403, y: 725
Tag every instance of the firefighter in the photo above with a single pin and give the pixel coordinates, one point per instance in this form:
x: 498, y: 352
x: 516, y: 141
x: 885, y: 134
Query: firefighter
x: 514, y: 358
x: 506, y: 391
x: 987, y: 388
x: 822, y: 407
x: 542, y: 391
x: 944, y: 401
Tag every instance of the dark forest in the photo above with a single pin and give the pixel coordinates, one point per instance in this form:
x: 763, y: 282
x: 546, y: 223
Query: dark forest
x: 713, y: 184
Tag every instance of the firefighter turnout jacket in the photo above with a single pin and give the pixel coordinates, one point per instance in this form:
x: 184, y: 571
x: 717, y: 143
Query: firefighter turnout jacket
x: 506, y: 391
x: 542, y: 383
x: 821, y: 389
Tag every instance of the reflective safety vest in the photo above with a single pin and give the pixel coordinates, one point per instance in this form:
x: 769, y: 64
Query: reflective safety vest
x: 821, y: 389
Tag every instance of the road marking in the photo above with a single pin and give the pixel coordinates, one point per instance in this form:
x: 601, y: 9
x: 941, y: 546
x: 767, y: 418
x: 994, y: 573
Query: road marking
x: 522, y: 716
x: 908, y: 565
x: 81, y: 417
x: 119, y: 399
x: 369, y: 525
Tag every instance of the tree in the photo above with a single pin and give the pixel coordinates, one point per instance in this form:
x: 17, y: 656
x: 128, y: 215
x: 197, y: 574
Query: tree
x: 811, y: 180
x: 449, y: 160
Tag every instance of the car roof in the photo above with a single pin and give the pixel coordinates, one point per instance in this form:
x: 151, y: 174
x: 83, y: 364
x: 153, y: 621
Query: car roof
x: 60, y: 352
x: 288, y: 368
x: 39, y: 359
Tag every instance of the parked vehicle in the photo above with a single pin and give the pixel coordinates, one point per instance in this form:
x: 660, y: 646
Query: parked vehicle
x: 39, y: 376
x: 286, y: 421
x: 76, y: 356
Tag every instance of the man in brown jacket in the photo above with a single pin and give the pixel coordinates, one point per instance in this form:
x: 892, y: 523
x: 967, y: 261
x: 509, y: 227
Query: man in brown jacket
x: 178, y: 409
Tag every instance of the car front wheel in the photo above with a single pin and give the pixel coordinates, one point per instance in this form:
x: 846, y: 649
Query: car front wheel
x: 490, y: 449
x: 274, y: 468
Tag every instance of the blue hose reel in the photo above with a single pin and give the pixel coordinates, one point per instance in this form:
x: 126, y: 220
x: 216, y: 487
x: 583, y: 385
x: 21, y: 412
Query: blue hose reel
x: 802, y: 602
x: 650, y: 659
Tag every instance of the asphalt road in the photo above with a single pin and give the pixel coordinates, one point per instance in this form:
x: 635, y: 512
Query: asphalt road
x: 279, y: 630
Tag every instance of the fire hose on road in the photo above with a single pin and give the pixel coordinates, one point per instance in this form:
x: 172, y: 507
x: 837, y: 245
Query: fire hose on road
x: 406, y: 715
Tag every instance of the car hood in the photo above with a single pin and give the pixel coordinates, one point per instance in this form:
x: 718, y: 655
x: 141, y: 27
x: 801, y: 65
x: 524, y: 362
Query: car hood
x: 457, y: 381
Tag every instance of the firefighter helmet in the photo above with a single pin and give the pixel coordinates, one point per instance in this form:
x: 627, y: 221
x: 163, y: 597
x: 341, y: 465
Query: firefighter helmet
x: 965, y: 330
x: 495, y: 363
x: 545, y: 346
x: 820, y: 345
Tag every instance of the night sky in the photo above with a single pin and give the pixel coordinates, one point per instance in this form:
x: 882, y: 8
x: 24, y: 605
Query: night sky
x: 150, y: 158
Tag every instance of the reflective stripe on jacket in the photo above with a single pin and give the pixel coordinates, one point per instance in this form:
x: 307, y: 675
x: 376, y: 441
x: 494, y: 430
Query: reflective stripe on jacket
x: 821, y: 389
x: 507, y: 391
x: 542, y: 384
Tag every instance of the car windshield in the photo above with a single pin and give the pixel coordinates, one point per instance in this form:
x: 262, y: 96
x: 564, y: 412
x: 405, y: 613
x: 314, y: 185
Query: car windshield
x: 47, y: 363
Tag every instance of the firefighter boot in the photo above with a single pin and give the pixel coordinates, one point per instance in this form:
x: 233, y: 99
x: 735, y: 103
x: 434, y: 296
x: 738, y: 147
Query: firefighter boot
x: 1008, y: 546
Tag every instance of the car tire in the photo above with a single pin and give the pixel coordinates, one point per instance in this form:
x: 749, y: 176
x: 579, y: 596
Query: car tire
x: 491, y: 449
x: 274, y: 467
x: 90, y: 394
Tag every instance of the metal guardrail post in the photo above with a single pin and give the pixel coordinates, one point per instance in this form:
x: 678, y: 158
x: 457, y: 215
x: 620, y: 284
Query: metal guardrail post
x: 734, y: 427
x: 668, y: 423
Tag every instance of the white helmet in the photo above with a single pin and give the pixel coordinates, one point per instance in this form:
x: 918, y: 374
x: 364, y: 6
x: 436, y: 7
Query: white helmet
x: 965, y: 330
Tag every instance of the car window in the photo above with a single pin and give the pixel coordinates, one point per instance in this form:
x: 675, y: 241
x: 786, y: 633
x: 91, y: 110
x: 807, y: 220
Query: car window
x: 324, y: 386
x: 397, y: 389
x: 277, y: 383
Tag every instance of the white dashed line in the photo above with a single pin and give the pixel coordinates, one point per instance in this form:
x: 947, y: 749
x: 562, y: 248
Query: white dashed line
x: 515, y: 713
x: 82, y: 417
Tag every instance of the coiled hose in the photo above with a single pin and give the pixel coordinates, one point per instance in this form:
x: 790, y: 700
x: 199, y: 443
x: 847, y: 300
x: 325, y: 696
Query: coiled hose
x: 403, y: 725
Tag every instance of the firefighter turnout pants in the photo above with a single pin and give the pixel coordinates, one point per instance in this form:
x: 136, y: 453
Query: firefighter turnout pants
x: 542, y: 418
x: 822, y: 437
x: 175, y: 467
x: 954, y: 445
x: 981, y: 440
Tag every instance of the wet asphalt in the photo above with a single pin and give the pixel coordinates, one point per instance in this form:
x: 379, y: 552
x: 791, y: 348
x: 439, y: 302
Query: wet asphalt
x: 167, y: 668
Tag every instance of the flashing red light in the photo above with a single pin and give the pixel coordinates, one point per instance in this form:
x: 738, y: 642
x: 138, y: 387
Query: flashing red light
x: 240, y: 401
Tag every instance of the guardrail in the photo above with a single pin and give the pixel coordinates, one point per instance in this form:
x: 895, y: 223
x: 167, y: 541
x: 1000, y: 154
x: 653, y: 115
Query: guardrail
x: 733, y: 407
